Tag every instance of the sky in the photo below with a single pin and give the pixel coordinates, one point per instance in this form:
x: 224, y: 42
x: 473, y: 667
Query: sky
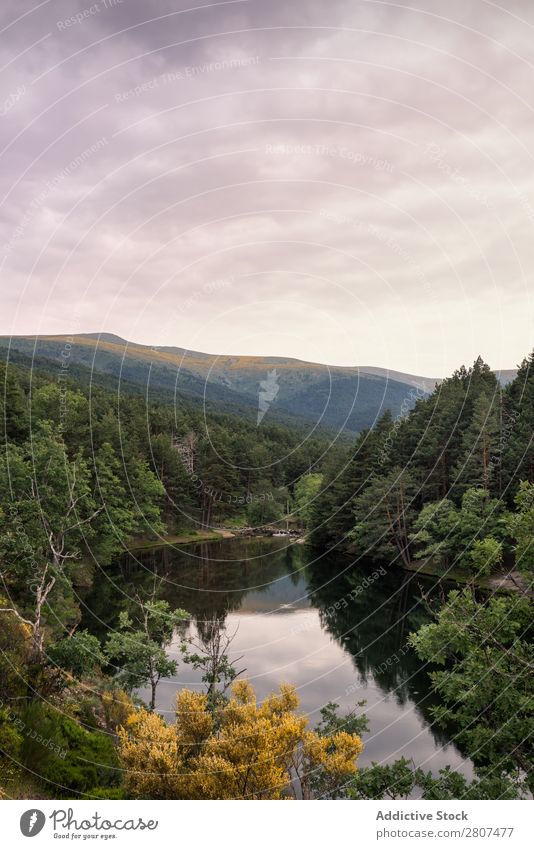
x: 348, y: 182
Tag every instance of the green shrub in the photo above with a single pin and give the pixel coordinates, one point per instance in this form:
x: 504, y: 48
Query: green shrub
x: 65, y: 754
x: 107, y: 793
x: 10, y: 736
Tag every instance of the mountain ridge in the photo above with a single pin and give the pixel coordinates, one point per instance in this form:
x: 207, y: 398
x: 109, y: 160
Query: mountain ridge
x: 234, y: 359
x: 341, y: 398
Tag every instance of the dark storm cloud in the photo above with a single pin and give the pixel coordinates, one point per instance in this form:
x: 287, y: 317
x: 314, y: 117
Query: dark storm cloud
x: 357, y: 174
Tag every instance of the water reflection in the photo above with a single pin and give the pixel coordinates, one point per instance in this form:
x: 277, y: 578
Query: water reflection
x: 337, y: 632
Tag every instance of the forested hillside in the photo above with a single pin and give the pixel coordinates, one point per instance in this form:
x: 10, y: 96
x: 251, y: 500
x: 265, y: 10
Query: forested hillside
x: 238, y: 471
x: 453, y: 480
x: 305, y: 394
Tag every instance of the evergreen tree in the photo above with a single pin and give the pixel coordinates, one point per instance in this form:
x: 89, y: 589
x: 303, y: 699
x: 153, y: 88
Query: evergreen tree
x: 14, y: 422
x: 332, y: 516
x: 479, y: 463
x: 384, y: 515
x: 518, y: 430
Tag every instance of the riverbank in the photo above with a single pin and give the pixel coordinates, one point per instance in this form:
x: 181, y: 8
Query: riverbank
x: 185, y: 538
x: 499, y: 582
x: 265, y: 531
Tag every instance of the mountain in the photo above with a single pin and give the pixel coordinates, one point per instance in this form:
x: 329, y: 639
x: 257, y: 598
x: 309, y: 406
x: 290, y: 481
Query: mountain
x: 506, y: 375
x: 332, y: 397
x: 426, y: 384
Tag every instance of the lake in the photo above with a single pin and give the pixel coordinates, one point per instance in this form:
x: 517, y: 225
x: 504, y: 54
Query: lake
x: 337, y: 631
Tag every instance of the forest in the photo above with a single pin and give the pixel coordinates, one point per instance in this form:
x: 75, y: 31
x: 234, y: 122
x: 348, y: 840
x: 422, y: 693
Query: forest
x: 85, y: 474
x: 451, y: 482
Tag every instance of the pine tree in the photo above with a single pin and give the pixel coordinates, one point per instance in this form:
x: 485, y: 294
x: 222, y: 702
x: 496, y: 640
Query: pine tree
x: 518, y: 430
x: 479, y: 463
x: 14, y: 422
x: 332, y: 517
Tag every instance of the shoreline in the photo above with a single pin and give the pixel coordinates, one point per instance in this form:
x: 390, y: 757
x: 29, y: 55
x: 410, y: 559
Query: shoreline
x: 501, y: 582
x: 186, y: 538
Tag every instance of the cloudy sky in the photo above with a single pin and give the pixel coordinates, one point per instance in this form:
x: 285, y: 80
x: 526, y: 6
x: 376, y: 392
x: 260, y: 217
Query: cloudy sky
x: 350, y: 182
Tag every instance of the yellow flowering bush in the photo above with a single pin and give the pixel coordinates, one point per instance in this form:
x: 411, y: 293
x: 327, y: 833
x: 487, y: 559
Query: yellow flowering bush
x: 244, y: 750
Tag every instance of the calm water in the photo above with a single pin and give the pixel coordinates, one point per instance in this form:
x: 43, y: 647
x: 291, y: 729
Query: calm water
x: 297, y: 618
